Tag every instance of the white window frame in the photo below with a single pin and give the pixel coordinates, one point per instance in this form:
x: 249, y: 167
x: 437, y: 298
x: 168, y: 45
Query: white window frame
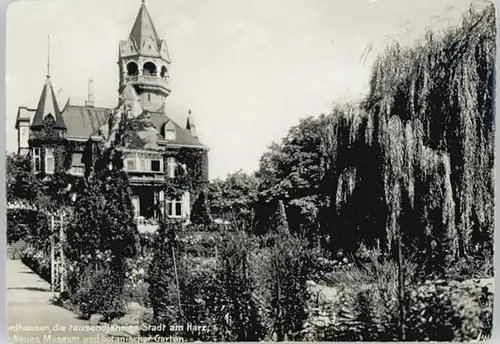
x: 170, y: 133
x: 143, y: 165
x: 49, y: 155
x: 171, y: 166
x: 134, y: 160
x: 79, y: 169
x: 37, y: 159
x: 172, y: 204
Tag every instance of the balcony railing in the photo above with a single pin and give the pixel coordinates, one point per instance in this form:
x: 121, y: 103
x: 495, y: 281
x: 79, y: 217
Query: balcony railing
x: 147, y: 178
x: 149, y: 80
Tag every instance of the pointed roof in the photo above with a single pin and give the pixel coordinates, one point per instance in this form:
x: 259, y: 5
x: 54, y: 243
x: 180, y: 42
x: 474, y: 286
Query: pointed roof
x: 143, y: 28
x: 48, y: 105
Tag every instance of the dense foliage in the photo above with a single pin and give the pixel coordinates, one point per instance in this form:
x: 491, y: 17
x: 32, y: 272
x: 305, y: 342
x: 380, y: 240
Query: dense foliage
x: 162, y: 277
x: 232, y: 309
x: 200, y: 211
x: 288, y: 267
x: 414, y: 161
x: 103, y: 225
x: 234, y: 198
x: 406, y: 159
x: 43, y: 192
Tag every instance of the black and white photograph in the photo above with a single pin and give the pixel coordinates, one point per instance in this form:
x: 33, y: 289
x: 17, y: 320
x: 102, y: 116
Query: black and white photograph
x: 250, y: 170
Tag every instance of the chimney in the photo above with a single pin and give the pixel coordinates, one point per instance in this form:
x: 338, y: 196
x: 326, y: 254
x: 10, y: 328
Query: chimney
x: 90, y: 100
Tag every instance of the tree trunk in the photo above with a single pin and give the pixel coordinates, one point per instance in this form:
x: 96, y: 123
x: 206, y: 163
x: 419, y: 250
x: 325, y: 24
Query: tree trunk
x: 401, y: 289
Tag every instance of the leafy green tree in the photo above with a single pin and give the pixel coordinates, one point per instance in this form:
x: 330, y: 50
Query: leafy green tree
x: 292, y: 170
x: 234, y: 197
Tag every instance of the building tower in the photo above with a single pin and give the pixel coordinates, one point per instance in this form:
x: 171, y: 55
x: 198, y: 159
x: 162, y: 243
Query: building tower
x: 144, y: 61
x: 48, y: 117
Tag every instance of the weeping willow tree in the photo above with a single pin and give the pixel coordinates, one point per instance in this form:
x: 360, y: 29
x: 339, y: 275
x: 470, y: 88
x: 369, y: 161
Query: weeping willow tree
x: 417, y: 156
x: 447, y: 83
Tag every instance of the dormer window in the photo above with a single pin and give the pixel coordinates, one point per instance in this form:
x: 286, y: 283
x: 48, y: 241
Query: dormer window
x: 169, y: 131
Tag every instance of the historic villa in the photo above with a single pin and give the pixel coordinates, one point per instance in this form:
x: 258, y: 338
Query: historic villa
x: 144, y: 64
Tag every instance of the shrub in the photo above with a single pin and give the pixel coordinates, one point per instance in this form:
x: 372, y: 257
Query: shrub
x: 16, y: 232
x: 474, y: 266
x: 83, y: 232
x: 287, y: 271
x: 161, y: 277
x: 39, y: 262
x: 196, y: 285
x: 448, y: 311
x: 108, y: 291
x: 96, y: 285
x: 232, y: 308
x: 136, y: 287
x: 435, y: 310
x: 200, y: 213
x: 82, y: 294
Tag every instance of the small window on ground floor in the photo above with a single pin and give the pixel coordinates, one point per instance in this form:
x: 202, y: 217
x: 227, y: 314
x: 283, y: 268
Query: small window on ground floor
x: 174, y: 208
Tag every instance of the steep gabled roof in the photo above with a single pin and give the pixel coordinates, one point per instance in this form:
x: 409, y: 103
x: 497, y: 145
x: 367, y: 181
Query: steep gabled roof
x: 84, y: 121
x: 183, y: 136
x: 48, y: 105
x: 143, y: 28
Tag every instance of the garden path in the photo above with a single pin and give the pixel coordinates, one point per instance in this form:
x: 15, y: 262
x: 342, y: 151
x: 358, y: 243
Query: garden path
x: 28, y: 307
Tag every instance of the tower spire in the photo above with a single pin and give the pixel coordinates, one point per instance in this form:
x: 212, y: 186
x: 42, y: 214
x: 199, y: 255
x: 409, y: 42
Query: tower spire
x: 48, y: 56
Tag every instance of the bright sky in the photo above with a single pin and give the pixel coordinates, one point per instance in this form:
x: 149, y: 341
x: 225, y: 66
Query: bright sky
x: 248, y: 70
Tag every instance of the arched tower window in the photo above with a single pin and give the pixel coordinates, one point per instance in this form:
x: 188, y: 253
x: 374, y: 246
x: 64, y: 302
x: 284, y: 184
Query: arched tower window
x: 164, y: 72
x: 132, y: 69
x: 149, y: 69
